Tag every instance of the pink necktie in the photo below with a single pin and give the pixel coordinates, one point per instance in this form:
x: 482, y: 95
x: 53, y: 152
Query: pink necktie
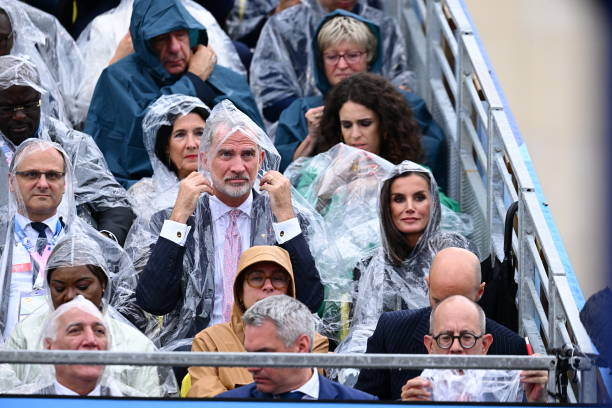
x: 231, y: 254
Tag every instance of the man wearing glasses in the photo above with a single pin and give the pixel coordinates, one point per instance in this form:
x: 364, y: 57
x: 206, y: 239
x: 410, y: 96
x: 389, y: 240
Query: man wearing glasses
x: 457, y: 326
x: 100, y: 200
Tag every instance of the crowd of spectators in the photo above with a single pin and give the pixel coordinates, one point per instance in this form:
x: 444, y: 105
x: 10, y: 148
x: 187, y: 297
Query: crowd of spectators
x: 230, y: 176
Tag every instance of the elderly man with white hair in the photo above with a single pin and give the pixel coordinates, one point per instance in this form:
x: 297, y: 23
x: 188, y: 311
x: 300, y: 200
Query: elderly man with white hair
x: 236, y: 200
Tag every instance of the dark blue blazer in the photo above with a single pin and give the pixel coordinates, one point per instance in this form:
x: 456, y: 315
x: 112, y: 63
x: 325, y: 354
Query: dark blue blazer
x: 328, y: 390
x: 402, y: 332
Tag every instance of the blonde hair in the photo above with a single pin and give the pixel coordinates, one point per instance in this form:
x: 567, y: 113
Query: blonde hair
x: 343, y: 28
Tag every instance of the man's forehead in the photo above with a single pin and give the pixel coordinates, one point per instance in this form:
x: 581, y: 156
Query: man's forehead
x: 235, y: 139
x: 456, y: 316
x: 77, y: 316
x: 33, y: 157
x: 18, y: 93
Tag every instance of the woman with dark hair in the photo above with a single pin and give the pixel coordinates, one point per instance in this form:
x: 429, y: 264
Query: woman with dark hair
x: 367, y: 112
x: 172, y: 129
x: 393, y: 278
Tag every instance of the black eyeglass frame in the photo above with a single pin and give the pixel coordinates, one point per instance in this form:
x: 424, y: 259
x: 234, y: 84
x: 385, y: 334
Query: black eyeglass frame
x: 32, y: 175
x: 476, y: 338
x: 266, y: 277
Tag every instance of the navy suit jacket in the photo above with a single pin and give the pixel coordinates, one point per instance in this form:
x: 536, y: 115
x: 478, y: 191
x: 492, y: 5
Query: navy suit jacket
x: 328, y: 390
x: 402, y: 332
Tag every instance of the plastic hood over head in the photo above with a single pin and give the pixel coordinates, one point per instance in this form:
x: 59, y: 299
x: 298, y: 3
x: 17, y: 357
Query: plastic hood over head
x: 226, y: 121
x: 374, y: 66
x: 100, y: 38
x: 19, y: 70
x: 475, y: 385
x: 53, y: 52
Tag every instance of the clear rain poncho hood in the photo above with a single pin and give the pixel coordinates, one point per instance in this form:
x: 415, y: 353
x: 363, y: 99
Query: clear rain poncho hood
x: 386, y: 285
x: 282, y: 69
x: 159, y: 192
x: 343, y: 185
x: 194, y: 310
x: 100, y: 38
x: 83, y: 246
x: 136, y: 81
x: 475, y: 385
x: 96, y: 189
x: 42, y: 38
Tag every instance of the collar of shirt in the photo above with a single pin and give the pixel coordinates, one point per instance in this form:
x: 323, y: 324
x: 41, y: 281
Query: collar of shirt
x: 218, y: 209
x: 311, y: 387
x: 24, y: 223
x: 61, y: 390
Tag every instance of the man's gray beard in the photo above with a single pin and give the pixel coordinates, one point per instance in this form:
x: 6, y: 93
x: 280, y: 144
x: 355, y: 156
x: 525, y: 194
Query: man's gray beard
x: 235, y: 191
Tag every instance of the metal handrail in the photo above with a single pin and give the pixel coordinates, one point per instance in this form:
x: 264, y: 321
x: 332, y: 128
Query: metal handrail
x: 488, y: 171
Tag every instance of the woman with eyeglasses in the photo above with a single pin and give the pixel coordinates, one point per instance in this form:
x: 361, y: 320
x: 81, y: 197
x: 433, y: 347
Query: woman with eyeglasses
x: 263, y: 271
x: 346, y: 44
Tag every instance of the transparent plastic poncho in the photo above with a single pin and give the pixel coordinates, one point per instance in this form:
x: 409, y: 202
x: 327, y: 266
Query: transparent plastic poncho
x: 96, y: 188
x: 84, y: 246
x: 475, y: 385
x: 385, y: 285
x: 53, y: 51
x: 43, y: 382
x: 196, y: 304
x: 98, y: 43
x: 282, y: 64
x: 343, y: 185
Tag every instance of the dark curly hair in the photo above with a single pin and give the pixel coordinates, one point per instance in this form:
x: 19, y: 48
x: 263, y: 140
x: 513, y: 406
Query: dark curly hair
x: 400, y: 136
x: 163, y: 137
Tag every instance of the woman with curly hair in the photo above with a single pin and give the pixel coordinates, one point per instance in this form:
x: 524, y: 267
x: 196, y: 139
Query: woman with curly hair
x: 367, y: 112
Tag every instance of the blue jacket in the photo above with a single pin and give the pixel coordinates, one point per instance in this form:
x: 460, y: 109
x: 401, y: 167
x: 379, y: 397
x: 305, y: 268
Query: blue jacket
x: 293, y: 128
x: 126, y: 88
x: 328, y: 390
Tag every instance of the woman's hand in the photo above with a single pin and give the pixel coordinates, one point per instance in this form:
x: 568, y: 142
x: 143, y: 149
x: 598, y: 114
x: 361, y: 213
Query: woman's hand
x: 313, y: 117
x: 279, y: 190
x: 190, y: 189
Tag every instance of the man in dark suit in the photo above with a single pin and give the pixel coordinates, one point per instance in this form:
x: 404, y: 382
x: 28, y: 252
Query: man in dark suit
x: 283, y: 324
x: 454, y: 271
x: 190, y: 272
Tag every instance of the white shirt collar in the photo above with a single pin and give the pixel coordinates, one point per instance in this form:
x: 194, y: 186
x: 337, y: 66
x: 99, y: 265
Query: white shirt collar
x: 219, y: 209
x: 61, y: 390
x: 24, y: 222
x: 311, y: 387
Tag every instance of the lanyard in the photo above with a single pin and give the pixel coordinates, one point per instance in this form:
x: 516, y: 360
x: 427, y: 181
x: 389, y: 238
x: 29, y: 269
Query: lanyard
x: 6, y: 150
x: 41, y: 259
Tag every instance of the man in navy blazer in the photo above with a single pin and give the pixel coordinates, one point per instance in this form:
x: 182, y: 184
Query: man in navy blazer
x: 283, y: 324
x: 454, y: 271
x: 190, y: 271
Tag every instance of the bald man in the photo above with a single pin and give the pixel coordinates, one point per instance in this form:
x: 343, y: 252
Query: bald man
x: 454, y: 271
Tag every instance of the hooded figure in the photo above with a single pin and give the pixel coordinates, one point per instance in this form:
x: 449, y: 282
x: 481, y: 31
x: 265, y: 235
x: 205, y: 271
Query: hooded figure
x: 229, y: 337
x: 134, y: 82
x: 186, y: 274
x: 293, y: 127
x: 44, y: 40
x: 281, y: 70
x: 103, y: 34
x: 100, y: 200
x: 82, y: 263
x: 393, y: 277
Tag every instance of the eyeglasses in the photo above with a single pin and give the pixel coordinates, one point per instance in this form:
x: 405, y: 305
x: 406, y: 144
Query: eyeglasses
x: 32, y: 175
x: 29, y: 107
x: 257, y: 279
x: 351, y: 57
x: 466, y: 340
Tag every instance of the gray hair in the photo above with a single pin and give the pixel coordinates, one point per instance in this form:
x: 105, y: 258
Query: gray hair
x: 481, y: 314
x: 290, y: 316
x: 344, y: 28
x: 52, y: 324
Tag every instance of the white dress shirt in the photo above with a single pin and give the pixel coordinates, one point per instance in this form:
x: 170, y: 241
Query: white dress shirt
x: 61, y: 390
x: 177, y: 233
x: 311, y: 387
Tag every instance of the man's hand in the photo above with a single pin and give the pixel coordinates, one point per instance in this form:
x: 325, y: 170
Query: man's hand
x: 202, y: 62
x: 124, y: 48
x: 190, y: 189
x: 279, y: 190
x: 284, y: 4
x: 534, y: 384
x: 416, y: 389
